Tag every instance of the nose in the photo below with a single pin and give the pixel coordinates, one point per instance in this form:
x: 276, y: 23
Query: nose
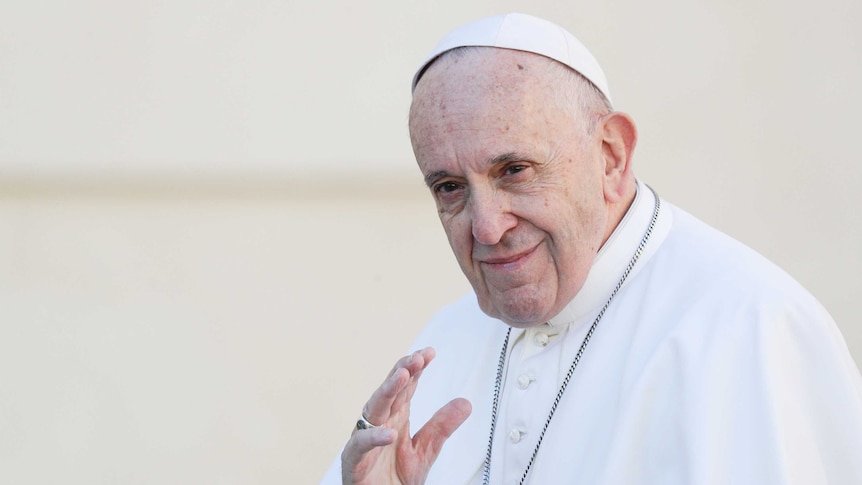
x: 491, y: 217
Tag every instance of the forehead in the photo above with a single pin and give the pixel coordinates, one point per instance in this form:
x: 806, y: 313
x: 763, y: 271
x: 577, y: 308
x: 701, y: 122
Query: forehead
x: 482, y: 73
x: 483, y: 94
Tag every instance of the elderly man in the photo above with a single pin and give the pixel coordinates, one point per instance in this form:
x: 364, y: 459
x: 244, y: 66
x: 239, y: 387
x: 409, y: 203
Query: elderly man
x: 611, y: 338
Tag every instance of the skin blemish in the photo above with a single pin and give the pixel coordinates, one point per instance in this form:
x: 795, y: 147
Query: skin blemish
x: 520, y: 67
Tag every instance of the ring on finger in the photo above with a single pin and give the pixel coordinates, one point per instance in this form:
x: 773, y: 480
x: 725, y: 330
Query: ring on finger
x: 364, y: 423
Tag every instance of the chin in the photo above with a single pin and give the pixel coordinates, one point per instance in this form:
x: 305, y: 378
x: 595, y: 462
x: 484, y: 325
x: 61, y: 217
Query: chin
x: 523, y: 315
x: 523, y: 306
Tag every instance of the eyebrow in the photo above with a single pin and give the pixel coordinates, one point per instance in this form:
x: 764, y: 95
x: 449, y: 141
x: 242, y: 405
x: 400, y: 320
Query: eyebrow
x: 505, y: 158
x: 431, y: 177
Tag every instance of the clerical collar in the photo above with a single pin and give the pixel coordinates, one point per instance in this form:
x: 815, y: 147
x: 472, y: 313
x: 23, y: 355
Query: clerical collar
x: 613, y: 257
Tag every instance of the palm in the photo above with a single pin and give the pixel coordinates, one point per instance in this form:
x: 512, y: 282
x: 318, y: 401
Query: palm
x: 388, y: 454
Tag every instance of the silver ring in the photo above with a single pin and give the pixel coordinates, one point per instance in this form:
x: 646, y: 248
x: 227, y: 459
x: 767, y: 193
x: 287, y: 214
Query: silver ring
x: 364, y: 423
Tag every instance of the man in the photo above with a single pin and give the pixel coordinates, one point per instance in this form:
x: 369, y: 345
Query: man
x: 612, y: 338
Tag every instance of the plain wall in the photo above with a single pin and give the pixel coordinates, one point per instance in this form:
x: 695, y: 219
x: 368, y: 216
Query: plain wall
x: 215, y: 242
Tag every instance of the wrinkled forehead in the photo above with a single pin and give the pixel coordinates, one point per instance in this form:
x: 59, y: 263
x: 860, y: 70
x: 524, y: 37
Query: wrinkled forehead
x: 462, y: 69
x: 520, y: 32
x: 483, y: 102
x: 476, y: 80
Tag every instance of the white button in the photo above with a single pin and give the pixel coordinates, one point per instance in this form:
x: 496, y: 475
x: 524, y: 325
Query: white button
x: 516, y: 434
x: 524, y: 381
x: 541, y: 339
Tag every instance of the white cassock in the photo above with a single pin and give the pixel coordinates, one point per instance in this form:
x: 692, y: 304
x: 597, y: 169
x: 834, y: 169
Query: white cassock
x: 711, y: 366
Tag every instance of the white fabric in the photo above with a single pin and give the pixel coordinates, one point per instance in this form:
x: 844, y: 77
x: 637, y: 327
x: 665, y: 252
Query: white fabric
x: 711, y: 366
x: 518, y: 31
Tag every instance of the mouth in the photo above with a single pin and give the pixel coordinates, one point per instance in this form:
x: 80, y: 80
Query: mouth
x: 510, y: 261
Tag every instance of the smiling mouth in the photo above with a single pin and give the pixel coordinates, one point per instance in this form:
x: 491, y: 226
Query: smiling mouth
x: 504, y: 262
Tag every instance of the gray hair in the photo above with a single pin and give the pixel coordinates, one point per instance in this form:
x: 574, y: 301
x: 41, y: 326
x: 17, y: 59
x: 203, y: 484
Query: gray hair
x: 577, y: 95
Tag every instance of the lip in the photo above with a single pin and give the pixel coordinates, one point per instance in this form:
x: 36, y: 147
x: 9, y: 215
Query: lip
x: 507, y: 261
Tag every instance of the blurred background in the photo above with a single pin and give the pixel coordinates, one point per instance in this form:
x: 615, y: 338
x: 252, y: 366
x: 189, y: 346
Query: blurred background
x: 214, y: 241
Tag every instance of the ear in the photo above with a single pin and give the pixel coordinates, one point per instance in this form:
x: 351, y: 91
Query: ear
x: 618, y: 137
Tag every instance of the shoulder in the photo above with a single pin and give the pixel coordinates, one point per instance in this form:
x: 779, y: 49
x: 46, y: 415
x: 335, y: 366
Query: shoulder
x: 457, y: 323
x: 462, y: 335
x: 704, y: 290
x: 710, y: 264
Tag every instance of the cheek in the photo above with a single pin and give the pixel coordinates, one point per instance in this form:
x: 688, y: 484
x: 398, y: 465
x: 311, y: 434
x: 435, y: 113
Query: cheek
x: 459, y: 236
x: 574, y: 227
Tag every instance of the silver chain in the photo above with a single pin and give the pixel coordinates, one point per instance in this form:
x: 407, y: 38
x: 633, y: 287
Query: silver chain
x: 486, y: 473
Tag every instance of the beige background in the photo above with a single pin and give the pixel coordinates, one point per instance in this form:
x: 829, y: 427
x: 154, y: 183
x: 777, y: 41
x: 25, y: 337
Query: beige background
x: 214, y: 241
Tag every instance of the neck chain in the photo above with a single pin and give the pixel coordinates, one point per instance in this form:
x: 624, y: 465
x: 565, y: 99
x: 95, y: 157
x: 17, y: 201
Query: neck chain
x: 486, y: 473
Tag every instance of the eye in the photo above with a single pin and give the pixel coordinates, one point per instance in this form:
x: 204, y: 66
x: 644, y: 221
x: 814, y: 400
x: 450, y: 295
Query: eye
x: 446, y: 187
x: 515, y: 169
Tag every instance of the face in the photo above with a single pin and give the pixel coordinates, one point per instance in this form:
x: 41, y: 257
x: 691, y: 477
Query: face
x: 517, y: 181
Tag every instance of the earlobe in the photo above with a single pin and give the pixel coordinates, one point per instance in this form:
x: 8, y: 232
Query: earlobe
x: 619, y: 137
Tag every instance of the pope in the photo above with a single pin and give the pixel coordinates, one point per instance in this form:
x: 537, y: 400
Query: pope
x: 611, y: 337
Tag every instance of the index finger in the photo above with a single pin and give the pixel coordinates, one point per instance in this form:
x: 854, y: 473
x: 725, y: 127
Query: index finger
x: 402, y: 378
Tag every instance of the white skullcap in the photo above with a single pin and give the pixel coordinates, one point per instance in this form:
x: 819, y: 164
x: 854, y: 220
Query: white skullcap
x: 526, y: 33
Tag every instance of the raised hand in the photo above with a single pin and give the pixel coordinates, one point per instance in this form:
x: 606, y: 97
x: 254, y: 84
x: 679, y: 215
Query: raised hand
x: 387, y: 454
